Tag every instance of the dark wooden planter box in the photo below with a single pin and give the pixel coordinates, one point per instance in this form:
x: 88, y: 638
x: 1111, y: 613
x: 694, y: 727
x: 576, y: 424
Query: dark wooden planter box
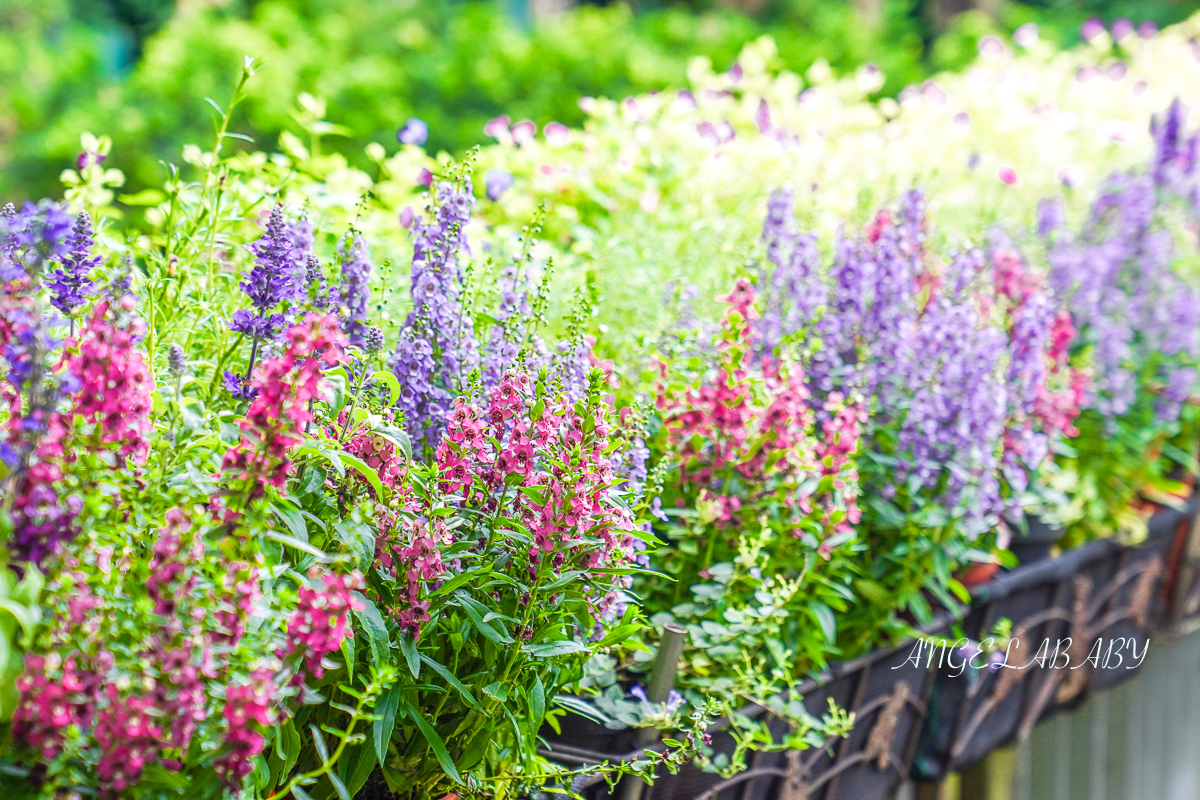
x: 1182, y: 584
x: 887, y: 693
x: 1102, y: 592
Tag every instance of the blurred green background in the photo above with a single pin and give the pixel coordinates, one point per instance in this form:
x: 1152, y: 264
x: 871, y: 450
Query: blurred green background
x: 139, y: 70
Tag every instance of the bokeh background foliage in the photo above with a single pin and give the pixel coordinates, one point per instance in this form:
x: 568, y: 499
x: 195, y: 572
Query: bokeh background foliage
x: 139, y: 70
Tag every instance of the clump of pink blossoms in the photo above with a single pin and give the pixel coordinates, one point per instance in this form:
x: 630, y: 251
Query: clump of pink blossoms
x: 321, y: 620
x: 285, y: 385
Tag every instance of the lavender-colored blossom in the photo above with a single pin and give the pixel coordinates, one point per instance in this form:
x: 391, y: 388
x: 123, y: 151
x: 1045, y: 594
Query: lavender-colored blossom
x: 1176, y: 154
x: 247, y: 323
x: 497, y: 181
x: 1032, y: 321
x: 1051, y: 216
x: 314, y: 279
x: 32, y: 236
x: 953, y: 403
x: 355, y: 290
x: 508, y: 334
x: 238, y: 386
x: 278, y: 272
x: 437, y: 347
x: 415, y: 132
x: 69, y: 284
x: 897, y: 264
x: 176, y: 360
x: 373, y: 339
x: 1125, y: 299
x: 43, y: 521
x: 793, y: 286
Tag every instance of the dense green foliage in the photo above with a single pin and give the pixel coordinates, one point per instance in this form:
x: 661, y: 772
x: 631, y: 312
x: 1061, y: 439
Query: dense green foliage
x: 140, y: 73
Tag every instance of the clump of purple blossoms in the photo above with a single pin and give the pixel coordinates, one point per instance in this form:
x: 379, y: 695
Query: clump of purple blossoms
x: 69, y: 284
x: 1175, y: 154
x: 314, y: 279
x: 32, y: 236
x: 355, y: 290
x: 931, y: 370
x: 793, y: 287
x: 510, y: 330
x: 437, y: 348
x: 871, y: 297
x: 279, y: 274
x: 949, y: 392
x: 1128, y: 304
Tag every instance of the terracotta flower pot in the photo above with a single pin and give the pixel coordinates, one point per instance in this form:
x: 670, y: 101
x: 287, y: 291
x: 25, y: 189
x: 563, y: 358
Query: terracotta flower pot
x: 978, y: 573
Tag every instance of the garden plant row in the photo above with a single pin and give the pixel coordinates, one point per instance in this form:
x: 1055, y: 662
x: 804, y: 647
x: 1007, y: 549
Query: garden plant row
x: 319, y: 484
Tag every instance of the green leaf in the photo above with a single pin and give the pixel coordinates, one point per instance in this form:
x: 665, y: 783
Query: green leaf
x: 368, y: 473
x: 434, y: 741
x: 291, y: 517
x: 291, y: 745
x: 301, y: 794
x: 338, y: 786
x: 389, y: 380
x: 359, y: 539
x: 348, y: 653
x: 823, y: 615
x: 408, y: 647
x: 385, y: 720
x: 959, y: 590
x: 293, y: 542
x: 620, y: 634
x: 336, y: 383
x: 377, y: 635
x: 475, y: 610
x: 551, y: 649
x: 449, y: 677
x: 537, y: 702
x: 319, y: 743
x: 363, y: 766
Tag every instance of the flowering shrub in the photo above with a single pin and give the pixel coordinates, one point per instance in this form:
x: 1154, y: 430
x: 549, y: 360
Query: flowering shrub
x: 765, y: 497
x: 1139, y: 321
x: 759, y: 507
x: 246, y: 570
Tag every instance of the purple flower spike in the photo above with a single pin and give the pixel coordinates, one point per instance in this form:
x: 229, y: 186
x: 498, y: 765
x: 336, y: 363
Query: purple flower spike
x: 498, y: 181
x: 356, y: 291
x: 278, y: 272
x: 70, y: 283
x: 415, y: 132
x: 437, y: 347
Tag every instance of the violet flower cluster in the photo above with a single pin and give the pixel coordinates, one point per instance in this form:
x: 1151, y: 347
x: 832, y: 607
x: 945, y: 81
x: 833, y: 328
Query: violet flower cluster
x: 69, y: 284
x: 355, y: 290
x: 30, y: 237
x: 279, y: 274
x: 437, y: 347
x: 920, y: 350
x: 1116, y: 277
x: 793, y: 288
